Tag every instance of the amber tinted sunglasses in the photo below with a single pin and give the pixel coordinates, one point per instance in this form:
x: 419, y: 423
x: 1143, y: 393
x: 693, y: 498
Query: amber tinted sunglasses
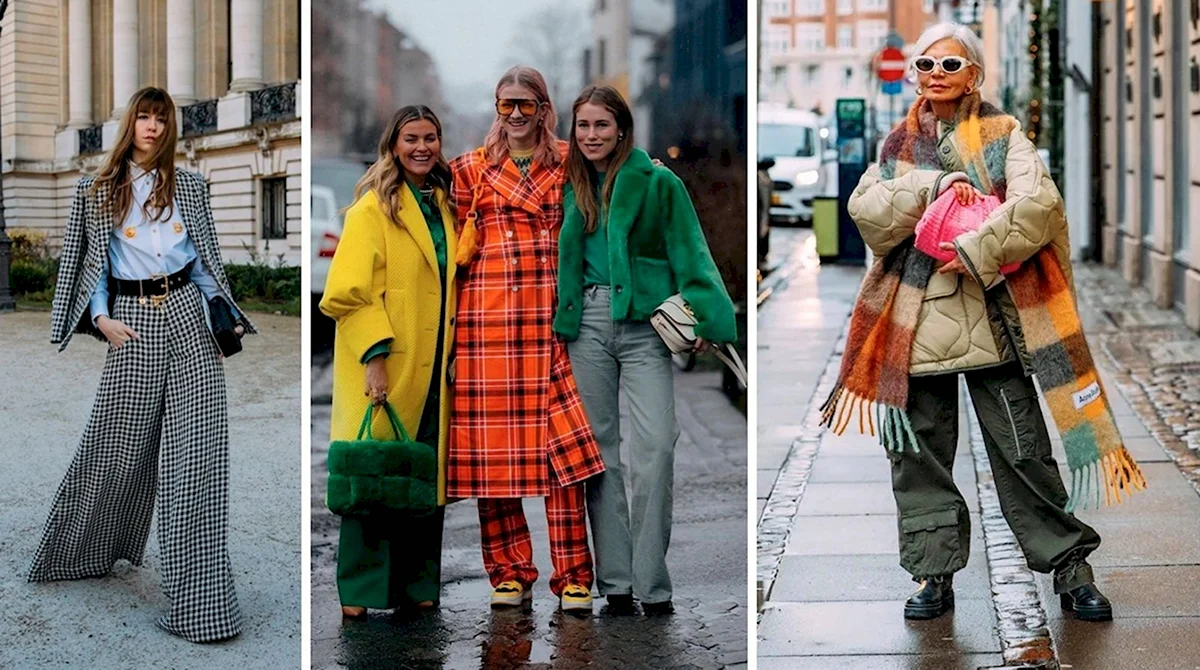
x: 505, y: 106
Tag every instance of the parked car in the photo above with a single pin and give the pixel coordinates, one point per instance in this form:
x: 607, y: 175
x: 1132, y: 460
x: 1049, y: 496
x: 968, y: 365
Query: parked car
x: 332, y: 191
x: 326, y: 232
x: 794, y: 140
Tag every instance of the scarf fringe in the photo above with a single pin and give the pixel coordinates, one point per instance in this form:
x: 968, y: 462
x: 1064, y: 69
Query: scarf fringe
x: 895, y: 432
x: 1122, y: 477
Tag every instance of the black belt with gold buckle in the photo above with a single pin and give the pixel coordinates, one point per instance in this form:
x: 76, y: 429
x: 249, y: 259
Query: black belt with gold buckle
x: 158, y: 286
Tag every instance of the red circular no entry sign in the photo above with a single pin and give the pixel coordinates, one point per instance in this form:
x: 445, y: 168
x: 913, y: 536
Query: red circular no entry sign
x: 892, y: 64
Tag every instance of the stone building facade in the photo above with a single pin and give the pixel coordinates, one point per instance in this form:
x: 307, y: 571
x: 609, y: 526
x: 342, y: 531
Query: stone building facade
x: 1150, y: 91
x: 68, y: 67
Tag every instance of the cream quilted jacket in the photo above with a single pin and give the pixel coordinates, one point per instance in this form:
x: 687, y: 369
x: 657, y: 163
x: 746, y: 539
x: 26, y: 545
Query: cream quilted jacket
x: 955, y: 330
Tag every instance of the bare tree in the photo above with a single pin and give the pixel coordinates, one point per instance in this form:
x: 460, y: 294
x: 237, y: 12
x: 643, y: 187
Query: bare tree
x: 552, y: 40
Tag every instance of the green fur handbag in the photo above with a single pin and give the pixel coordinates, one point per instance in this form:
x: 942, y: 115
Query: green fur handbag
x: 381, y: 477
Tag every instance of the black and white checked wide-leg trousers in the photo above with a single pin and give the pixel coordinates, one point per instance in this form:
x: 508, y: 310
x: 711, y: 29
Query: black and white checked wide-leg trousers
x: 160, y: 423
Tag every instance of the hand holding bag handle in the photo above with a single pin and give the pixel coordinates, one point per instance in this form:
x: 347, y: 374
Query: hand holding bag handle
x: 675, y: 323
x: 401, y: 434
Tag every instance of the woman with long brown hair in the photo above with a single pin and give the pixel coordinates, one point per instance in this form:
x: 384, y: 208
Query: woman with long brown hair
x: 630, y: 240
x: 139, y: 266
x: 518, y: 428
x: 391, y: 290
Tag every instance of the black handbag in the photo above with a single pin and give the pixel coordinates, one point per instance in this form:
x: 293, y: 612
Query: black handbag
x: 223, y: 324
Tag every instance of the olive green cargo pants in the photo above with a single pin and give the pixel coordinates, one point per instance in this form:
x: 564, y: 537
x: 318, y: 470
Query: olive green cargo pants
x: 935, y: 529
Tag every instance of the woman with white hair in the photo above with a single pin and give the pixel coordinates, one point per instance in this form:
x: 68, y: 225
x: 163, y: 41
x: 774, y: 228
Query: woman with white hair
x: 976, y: 283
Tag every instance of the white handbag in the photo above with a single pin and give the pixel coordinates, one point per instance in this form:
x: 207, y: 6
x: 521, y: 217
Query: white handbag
x: 675, y: 323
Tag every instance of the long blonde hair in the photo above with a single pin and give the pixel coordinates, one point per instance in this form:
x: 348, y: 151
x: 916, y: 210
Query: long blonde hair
x: 545, y: 151
x: 386, y: 175
x: 115, y: 175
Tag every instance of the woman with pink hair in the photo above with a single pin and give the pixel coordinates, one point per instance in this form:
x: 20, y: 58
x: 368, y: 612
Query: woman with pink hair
x: 518, y: 427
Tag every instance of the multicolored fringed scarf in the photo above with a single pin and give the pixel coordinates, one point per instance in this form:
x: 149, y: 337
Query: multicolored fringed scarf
x: 875, y: 366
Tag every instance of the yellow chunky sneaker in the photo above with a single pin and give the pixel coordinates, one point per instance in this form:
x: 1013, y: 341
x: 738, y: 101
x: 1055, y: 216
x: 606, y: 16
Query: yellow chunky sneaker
x: 510, y: 594
x: 576, y: 597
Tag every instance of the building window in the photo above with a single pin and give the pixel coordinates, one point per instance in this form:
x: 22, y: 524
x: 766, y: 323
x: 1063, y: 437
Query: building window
x: 845, y: 36
x: 601, y: 59
x: 811, y: 74
x: 777, y: 8
x: 845, y: 7
x: 778, y: 39
x: 810, y: 7
x: 810, y: 37
x: 872, y: 5
x: 929, y: 8
x: 872, y: 34
x: 274, y: 208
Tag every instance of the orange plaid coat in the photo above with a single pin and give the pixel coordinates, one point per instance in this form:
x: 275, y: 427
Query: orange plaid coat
x: 518, y: 425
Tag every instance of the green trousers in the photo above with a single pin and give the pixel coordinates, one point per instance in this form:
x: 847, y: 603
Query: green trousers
x: 935, y: 529
x: 391, y: 563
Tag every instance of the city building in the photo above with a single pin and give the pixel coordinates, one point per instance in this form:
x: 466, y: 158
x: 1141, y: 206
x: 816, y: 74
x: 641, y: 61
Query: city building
x: 1149, y: 95
x: 816, y: 51
x: 371, y: 68
x: 1130, y: 83
x: 68, y: 67
x: 625, y: 35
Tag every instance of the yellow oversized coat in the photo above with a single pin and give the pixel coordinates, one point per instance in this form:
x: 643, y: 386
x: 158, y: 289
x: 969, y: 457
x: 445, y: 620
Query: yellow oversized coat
x: 383, y: 282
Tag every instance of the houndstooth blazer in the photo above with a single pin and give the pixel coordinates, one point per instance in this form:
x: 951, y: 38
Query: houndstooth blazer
x: 85, y: 245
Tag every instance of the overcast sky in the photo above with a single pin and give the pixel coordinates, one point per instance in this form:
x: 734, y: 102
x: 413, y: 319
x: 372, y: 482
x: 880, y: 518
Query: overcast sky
x: 470, y: 40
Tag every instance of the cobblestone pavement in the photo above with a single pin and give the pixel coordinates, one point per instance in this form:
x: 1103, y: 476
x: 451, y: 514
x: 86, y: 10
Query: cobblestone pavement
x: 827, y: 543
x: 707, y: 561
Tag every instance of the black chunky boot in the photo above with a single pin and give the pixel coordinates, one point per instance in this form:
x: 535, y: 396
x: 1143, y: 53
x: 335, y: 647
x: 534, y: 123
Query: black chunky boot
x: 932, y: 600
x: 1087, y: 603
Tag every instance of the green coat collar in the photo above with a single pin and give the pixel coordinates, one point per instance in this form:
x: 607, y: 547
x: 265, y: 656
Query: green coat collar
x: 629, y: 192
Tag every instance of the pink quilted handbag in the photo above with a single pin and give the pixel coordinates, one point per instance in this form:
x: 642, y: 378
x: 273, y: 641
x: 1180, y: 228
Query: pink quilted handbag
x: 945, y: 220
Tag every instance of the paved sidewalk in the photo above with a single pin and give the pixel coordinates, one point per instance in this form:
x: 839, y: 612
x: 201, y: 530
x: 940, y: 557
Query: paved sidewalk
x: 707, y: 561
x: 45, y: 399
x: 828, y: 553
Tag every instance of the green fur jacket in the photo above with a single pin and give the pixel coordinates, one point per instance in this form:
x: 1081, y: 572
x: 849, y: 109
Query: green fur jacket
x: 656, y: 249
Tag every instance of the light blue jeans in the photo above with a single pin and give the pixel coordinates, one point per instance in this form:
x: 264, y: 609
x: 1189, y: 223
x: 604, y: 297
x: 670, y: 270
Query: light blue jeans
x: 631, y: 538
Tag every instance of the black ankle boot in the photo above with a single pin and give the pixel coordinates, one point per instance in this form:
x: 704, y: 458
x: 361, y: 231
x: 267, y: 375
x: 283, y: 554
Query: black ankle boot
x: 932, y: 600
x: 1087, y: 603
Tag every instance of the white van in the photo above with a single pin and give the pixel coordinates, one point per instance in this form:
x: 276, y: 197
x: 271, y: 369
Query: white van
x: 794, y: 139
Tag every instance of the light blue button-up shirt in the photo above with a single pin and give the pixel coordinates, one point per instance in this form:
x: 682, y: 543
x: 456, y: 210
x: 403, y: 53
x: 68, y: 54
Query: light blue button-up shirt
x: 142, y: 247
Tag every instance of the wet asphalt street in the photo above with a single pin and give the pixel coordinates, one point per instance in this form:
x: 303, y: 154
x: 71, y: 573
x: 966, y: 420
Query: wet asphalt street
x: 707, y: 560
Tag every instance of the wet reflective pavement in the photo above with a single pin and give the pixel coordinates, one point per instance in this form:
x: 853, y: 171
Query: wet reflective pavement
x: 707, y: 561
x: 827, y: 547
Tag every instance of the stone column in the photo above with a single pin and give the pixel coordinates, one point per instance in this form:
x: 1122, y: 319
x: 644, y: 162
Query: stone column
x: 80, y: 60
x: 246, y: 17
x: 181, y: 51
x: 125, y: 54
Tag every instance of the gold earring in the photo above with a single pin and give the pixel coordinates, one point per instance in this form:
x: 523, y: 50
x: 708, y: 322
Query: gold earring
x: 920, y: 91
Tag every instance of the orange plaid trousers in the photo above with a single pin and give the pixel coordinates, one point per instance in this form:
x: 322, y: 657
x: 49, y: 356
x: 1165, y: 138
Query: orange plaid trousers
x: 508, y: 548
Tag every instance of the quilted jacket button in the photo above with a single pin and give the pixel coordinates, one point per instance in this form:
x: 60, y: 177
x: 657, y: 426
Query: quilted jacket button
x: 571, y: 307
x: 946, y: 149
x: 619, y: 289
